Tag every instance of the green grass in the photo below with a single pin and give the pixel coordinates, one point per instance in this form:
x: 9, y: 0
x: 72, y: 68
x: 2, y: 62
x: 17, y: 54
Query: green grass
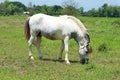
x: 103, y: 65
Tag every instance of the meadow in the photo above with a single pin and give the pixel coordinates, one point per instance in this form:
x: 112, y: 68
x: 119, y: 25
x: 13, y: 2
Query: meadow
x: 104, y: 62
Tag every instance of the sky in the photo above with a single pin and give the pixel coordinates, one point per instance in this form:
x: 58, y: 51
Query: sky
x: 86, y: 4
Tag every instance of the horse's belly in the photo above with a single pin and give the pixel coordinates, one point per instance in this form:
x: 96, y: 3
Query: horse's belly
x: 53, y: 36
x: 50, y: 37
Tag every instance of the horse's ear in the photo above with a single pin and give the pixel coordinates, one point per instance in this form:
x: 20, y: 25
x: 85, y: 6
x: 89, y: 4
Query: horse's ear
x: 89, y: 49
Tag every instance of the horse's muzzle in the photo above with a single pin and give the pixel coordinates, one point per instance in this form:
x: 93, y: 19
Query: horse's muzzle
x: 84, y: 61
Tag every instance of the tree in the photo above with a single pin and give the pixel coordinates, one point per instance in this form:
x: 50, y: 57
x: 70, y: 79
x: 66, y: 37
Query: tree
x: 92, y: 13
x: 11, y: 9
x: 1, y: 9
x: 69, y: 10
x: 56, y: 10
x: 30, y: 5
x: 44, y: 9
x: 70, y: 7
x: 105, y: 11
x: 104, y: 7
x: 100, y: 12
x: 72, y: 3
x: 5, y: 4
x: 21, y: 7
x: 81, y: 10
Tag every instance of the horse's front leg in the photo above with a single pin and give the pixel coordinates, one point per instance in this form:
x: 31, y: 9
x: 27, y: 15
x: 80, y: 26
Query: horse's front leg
x: 61, y: 50
x: 66, y: 49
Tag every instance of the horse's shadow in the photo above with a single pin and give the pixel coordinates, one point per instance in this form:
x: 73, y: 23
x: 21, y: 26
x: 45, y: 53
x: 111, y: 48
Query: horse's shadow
x: 57, y: 60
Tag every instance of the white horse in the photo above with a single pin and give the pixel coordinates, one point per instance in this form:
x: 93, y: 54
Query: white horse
x: 58, y: 28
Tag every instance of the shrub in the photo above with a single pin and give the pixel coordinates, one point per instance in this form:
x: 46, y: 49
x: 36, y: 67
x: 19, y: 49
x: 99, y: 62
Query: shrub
x: 116, y: 23
x: 102, y: 47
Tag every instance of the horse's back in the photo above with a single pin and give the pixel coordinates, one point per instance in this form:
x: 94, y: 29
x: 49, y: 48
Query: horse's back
x: 35, y: 18
x: 46, y: 21
x: 64, y: 25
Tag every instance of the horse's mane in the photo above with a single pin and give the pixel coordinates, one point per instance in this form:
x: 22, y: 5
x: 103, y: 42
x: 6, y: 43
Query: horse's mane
x: 79, y: 23
x: 82, y: 27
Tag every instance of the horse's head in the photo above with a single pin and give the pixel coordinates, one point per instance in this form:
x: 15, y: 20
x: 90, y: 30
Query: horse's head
x: 84, y: 50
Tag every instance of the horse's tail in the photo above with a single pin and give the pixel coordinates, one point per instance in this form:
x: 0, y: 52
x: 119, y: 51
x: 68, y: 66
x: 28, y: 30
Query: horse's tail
x: 27, y: 29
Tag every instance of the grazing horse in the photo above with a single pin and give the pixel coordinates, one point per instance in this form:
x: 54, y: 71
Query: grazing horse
x: 61, y: 28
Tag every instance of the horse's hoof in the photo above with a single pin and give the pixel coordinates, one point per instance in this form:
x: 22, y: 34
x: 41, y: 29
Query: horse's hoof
x: 68, y: 63
x: 31, y: 58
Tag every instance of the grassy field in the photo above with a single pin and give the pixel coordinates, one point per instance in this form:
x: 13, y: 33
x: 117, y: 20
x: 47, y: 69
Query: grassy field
x: 104, y: 61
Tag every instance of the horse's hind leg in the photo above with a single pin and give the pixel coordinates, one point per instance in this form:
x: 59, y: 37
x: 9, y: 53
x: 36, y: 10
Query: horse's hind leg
x: 38, y: 46
x: 61, y: 51
x: 30, y: 42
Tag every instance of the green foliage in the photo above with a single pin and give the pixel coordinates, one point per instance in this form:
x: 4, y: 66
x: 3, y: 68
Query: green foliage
x: 70, y: 10
x: 12, y: 8
x: 92, y: 12
x: 51, y: 10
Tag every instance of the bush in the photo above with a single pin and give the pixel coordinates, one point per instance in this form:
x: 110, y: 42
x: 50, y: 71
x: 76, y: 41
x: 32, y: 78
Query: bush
x: 116, y: 23
x: 102, y: 47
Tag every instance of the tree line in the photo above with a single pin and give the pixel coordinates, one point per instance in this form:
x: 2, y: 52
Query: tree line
x: 104, y: 11
x: 17, y: 8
